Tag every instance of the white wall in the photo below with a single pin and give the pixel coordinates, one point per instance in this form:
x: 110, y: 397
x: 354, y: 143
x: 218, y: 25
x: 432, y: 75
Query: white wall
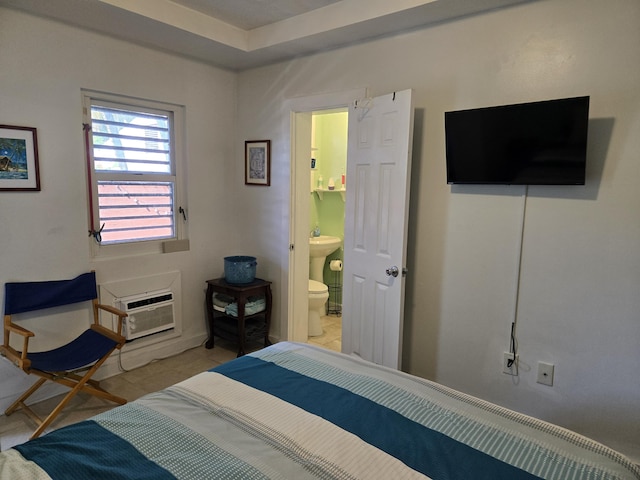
x: 43, y: 235
x: 579, y: 300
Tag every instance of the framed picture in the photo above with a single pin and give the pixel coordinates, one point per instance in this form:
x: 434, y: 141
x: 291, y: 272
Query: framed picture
x: 18, y: 158
x: 257, y: 162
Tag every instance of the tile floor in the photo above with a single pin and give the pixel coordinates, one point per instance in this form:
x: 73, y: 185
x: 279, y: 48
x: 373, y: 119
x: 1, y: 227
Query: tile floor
x: 159, y: 374
x: 331, y: 337
x: 132, y: 384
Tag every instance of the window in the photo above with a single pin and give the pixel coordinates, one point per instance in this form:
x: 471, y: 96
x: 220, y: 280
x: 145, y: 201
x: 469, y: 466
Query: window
x: 133, y: 170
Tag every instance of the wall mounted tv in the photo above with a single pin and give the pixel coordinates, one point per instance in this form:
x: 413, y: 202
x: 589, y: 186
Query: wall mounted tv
x: 538, y: 143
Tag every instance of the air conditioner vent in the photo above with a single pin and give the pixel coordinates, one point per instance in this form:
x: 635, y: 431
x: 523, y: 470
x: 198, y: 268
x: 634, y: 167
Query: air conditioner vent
x: 149, y: 301
x: 148, y: 313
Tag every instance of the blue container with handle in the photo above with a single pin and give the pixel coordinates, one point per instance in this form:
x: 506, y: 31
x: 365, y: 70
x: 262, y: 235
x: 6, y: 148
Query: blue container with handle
x: 240, y: 269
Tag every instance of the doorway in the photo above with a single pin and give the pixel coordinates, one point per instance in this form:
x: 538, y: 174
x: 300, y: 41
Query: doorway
x: 301, y: 119
x: 376, y: 220
x: 328, y: 166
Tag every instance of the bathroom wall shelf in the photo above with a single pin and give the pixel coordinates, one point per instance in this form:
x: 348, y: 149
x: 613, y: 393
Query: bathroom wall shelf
x: 321, y: 191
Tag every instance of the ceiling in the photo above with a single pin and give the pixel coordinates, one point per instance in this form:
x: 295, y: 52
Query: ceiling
x: 242, y: 34
x: 250, y: 14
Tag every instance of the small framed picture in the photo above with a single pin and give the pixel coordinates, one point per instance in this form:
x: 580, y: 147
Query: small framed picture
x: 257, y: 162
x: 18, y: 158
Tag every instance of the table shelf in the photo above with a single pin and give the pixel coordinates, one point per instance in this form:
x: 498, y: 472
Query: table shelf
x: 243, y: 328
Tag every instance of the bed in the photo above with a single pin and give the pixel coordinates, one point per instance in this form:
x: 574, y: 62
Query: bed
x: 294, y: 411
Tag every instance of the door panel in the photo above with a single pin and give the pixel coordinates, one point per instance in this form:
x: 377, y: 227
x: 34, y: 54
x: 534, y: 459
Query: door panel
x: 360, y: 208
x: 380, y: 137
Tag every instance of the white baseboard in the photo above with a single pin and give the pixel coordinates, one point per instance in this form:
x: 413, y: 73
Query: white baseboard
x: 132, y: 357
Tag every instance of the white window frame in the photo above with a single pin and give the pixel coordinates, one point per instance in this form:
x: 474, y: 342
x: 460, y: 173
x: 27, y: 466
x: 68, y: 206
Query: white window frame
x: 177, y: 112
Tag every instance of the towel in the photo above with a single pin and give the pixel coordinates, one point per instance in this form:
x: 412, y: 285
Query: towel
x: 254, y: 304
x: 220, y: 301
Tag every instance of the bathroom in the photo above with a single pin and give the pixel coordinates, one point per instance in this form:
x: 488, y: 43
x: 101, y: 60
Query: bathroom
x: 327, y: 214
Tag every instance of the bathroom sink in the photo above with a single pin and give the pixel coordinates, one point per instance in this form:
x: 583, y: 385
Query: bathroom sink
x: 319, y: 248
x: 323, y: 245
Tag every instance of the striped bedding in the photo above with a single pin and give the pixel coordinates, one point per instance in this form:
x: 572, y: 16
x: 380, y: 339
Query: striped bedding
x: 293, y: 411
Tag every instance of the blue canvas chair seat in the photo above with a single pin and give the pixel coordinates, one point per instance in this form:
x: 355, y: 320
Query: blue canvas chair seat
x: 61, y: 365
x: 88, y: 348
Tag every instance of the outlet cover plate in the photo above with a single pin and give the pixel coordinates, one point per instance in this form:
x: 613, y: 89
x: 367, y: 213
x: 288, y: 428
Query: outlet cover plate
x: 545, y: 373
x: 513, y: 369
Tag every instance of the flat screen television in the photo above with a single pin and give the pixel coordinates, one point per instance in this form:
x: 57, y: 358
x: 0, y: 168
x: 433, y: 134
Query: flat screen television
x: 537, y: 143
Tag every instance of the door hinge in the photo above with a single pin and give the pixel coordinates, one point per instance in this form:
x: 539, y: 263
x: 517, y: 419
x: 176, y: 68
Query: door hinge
x: 291, y: 247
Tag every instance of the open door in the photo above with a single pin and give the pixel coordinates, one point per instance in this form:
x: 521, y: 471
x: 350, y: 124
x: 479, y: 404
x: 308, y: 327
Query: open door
x: 377, y: 211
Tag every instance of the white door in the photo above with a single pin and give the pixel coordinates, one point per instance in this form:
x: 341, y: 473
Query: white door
x: 375, y: 239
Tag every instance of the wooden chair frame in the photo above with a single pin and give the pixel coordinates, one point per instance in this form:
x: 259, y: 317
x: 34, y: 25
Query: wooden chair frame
x: 72, y: 379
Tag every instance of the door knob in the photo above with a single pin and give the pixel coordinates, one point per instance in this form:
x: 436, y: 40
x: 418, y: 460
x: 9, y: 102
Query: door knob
x: 392, y: 271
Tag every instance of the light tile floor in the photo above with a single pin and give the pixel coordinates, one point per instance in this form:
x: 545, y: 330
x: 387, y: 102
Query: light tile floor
x: 132, y: 384
x: 159, y: 374
x: 331, y: 337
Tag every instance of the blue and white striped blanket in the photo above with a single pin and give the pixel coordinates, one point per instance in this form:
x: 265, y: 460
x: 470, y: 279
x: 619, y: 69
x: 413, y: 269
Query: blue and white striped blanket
x: 293, y: 411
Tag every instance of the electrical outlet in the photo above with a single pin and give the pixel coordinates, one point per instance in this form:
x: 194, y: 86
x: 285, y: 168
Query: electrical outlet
x: 509, y: 365
x: 545, y: 373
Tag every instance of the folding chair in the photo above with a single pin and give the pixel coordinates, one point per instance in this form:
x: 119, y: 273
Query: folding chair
x: 64, y: 365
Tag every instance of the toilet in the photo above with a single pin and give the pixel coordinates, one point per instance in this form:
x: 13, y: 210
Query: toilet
x: 318, y: 296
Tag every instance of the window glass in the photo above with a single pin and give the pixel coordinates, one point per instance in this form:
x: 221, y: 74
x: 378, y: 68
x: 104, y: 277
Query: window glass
x: 133, y: 167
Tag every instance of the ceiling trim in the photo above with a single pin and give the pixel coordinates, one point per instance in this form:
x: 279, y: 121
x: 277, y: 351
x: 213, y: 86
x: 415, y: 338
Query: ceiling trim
x: 326, y: 19
x: 183, y: 18
x: 319, y: 21
x: 172, y: 27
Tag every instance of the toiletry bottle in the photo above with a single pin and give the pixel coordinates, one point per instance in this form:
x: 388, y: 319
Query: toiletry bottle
x: 320, y: 181
x: 316, y: 231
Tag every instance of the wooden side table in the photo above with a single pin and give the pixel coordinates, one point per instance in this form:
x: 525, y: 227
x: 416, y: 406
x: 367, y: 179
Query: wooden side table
x: 235, y: 328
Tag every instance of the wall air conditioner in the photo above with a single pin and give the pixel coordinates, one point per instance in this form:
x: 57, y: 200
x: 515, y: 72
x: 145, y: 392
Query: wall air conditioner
x: 149, y: 313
